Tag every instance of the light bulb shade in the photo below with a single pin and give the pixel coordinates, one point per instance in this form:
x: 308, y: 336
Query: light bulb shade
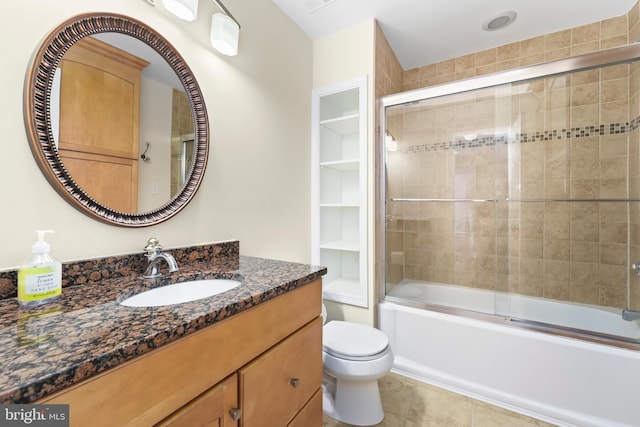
x: 225, y: 33
x: 183, y: 9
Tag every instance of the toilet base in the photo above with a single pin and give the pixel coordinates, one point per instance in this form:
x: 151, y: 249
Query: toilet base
x: 356, y: 403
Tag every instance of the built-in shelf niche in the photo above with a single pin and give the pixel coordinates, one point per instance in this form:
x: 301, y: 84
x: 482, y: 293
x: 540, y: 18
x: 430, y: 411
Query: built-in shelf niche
x: 339, y: 189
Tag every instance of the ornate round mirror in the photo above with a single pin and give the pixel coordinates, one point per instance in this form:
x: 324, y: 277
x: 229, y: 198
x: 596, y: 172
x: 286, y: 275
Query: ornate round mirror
x: 116, y: 120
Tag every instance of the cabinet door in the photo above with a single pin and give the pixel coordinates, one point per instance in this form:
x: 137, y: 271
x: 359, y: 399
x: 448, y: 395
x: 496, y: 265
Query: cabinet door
x: 112, y: 181
x: 211, y: 409
x: 278, y: 384
x: 100, y: 100
x: 311, y: 414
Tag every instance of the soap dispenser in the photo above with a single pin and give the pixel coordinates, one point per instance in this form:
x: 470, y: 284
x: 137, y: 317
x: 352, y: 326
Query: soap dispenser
x: 40, y: 279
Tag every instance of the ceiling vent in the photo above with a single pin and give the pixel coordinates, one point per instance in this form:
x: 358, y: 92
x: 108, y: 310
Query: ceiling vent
x: 499, y: 21
x: 313, y: 5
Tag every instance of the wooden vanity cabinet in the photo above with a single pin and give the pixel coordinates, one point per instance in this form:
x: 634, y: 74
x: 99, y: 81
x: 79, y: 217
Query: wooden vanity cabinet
x: 259, y: 368
x: 215, y: 407
x: 278, y: 384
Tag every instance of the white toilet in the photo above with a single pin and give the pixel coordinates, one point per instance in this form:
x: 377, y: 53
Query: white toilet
x: 354, y: 357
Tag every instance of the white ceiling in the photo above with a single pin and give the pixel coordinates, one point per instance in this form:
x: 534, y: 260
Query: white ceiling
x: 422, y: 32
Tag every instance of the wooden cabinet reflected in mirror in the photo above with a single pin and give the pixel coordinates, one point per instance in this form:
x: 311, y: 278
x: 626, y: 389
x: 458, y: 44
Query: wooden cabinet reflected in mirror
x: 100, y: 120
x: 116, y: 89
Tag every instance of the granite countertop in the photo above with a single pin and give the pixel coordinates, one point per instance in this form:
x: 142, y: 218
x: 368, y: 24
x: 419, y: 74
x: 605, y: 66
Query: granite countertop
x: 87, y: 331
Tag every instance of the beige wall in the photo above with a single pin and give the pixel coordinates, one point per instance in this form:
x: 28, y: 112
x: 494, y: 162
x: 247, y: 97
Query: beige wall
x: 337, y: 57
x: 155, y: 128
x: 361, y: 50
x: 256, y: 187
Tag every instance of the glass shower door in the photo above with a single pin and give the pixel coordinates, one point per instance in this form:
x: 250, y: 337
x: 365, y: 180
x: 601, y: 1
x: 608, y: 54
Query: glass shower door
x: 519, y: 199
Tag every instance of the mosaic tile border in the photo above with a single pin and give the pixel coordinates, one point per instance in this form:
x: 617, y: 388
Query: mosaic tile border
x: 521, y: 138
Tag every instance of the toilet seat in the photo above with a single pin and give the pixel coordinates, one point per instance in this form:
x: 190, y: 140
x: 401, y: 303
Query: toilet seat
x: 353, y: 341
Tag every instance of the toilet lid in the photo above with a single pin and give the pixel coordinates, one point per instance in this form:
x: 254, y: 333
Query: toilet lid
x: 352, y: 340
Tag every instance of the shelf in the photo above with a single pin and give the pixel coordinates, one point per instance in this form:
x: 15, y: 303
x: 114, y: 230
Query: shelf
x: 342, y: 165
x: 342, y: 245
x: 340, y: 184
x: 339, y: 205
x: 347, y: 125
x: 339, y: 156
x: 336, y: 102
x: 344, y: 290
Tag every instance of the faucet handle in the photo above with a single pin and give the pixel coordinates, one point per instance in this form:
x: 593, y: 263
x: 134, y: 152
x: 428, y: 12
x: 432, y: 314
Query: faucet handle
x: 153, y: 246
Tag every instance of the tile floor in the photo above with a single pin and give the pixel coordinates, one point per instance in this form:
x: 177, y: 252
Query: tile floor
x: 411, y: 403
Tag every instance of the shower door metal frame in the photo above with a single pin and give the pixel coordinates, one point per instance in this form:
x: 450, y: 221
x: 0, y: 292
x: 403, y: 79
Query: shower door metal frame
x: 584, y: 62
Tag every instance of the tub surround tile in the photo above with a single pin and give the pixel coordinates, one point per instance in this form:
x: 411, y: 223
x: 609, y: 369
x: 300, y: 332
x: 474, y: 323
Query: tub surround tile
x: 556, y: 289
x: 581, y: 134
x: 508, y: 52
x: 573, y: 112
x: 87, y: 332
x: 613, y: 27
x: 584, y: 294
x: 557, y: 40
x: 609, y: 33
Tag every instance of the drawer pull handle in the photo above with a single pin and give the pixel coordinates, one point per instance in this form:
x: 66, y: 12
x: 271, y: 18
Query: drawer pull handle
x: 235, y: 413
x: 295, y: 382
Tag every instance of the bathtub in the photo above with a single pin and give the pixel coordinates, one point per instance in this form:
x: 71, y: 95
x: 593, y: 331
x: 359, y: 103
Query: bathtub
x: 601, y: 320
x: 555, y: 378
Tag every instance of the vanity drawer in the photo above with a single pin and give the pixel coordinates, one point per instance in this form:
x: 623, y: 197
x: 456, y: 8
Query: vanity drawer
x: 311, y: 414
x: 275, y: 386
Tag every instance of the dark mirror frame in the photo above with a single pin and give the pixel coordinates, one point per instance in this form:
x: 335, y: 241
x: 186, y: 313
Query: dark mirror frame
x: 38, y: 84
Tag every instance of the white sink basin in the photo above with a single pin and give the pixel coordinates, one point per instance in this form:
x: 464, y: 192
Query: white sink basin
x: 180, y: 292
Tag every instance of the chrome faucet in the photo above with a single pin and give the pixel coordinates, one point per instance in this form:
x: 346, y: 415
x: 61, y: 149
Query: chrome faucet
x: 155, y: 255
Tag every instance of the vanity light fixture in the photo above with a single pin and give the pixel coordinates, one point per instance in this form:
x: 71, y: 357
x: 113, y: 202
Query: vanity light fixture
x: 183, y: 9
x: 225, y: 31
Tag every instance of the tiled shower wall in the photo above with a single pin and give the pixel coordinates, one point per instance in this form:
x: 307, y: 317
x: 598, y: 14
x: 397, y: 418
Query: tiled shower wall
x: 181, y: 124
x: 389, y: 73
x: 572, y: 136
x: 562, y: 44
x: 565, y: 137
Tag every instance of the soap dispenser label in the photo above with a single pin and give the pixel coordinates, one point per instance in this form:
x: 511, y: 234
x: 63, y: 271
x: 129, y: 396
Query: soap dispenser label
x: 39, y: 283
